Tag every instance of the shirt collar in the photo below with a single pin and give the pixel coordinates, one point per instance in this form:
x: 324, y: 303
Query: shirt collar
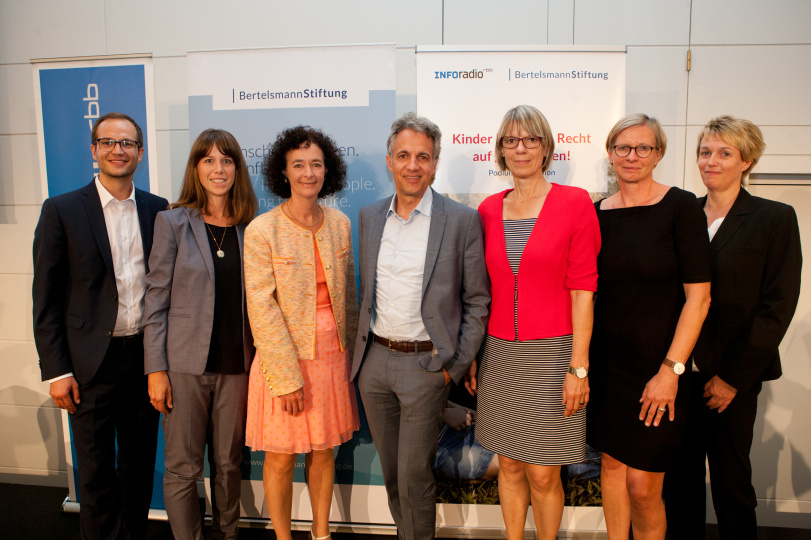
x: 423, y: 207
x: 106, y: 197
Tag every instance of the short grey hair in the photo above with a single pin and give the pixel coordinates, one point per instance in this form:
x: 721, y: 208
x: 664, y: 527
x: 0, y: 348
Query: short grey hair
x: 633, y: 120
x: 419, y: 124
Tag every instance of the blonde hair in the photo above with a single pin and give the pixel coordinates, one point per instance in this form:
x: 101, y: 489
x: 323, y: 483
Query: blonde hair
x: 638, y: 120
x: 737, y: 132
x: 533, y: 122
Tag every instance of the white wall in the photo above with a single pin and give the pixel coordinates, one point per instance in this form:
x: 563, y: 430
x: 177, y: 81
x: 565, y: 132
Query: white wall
x: 749, y: 58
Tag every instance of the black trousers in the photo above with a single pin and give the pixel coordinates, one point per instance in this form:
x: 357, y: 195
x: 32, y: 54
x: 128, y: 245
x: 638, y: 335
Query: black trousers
x: 723, y: 440
x: 115, y: 485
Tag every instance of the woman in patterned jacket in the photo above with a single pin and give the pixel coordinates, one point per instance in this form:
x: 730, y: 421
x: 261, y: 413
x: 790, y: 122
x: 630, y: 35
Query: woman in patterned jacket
x: 302, y: 304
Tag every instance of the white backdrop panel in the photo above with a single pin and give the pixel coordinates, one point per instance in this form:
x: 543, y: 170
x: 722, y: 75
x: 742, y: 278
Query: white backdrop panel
x: 467, y: 92
x: 766, y: 84
x: 750, y: 21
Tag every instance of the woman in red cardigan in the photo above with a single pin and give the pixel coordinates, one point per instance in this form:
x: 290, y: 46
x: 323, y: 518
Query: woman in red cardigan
x: 541, y: 246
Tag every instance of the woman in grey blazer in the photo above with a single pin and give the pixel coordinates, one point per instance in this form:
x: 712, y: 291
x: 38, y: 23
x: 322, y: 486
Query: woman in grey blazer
x: 756, y: 267
x: 198, y: 346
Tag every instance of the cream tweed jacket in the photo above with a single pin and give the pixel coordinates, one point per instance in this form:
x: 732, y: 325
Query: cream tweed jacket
x: 280, y: 291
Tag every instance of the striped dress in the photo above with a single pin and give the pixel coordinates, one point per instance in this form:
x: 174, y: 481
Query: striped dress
x: 520, y: 409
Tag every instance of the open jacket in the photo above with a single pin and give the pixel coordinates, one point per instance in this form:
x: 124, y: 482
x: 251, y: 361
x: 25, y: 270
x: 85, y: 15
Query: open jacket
x: 281, y: 291
x: 756, y: 268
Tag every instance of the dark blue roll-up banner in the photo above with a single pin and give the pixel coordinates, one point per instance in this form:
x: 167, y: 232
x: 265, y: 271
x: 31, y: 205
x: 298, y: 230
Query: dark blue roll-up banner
x: 70, y: 94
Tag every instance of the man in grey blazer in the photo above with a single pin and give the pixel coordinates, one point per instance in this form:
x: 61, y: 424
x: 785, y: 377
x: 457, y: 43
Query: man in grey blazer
x: 424, y: 297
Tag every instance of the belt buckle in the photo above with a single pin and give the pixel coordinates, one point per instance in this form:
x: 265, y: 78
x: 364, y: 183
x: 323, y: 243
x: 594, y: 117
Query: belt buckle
x: 391, y: 346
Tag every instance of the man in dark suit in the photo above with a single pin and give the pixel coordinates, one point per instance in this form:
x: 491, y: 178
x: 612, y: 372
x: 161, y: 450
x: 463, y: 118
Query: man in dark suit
x: 91, y: 248
x: 424, y: 297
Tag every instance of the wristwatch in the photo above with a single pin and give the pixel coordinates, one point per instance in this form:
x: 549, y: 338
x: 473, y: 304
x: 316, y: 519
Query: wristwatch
x: 580, y: 373
x: 677, y: 367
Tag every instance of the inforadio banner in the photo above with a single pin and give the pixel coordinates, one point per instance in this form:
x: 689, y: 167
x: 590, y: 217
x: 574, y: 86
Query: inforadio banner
x: 467, y: 91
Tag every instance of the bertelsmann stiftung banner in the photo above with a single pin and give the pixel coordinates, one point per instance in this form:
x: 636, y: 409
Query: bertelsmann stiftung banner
x: 348, y: 92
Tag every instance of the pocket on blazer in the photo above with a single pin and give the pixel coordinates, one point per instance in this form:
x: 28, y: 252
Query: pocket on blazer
x: 284, y: 264
x: 454, y: 257
x: 73, y: 321
x: 178, y: 312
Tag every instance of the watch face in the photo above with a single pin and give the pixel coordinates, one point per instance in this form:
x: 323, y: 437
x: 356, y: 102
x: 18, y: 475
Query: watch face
x: 678, y: 367
x: 580, y: 373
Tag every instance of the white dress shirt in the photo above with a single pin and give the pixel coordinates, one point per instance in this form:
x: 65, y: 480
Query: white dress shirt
x: 124, y: 233
x: 713, y: 228
x: 400, y: 267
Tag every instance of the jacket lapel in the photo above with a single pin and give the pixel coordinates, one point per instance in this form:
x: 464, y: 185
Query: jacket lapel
x: 198, y: 227
x: 435, y: 233
x: 733, y: 221
x: 95, y: 214
x: 146, y: 221
x: 377, y: 222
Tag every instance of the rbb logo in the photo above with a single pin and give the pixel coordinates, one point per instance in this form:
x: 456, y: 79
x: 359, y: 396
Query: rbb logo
x: 92, y: 99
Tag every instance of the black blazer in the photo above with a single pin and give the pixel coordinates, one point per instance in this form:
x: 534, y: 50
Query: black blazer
x: 74, y: 291
x: 756, y: 268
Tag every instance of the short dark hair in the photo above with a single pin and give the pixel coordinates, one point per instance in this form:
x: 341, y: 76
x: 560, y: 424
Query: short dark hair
x: 139, y: 135
x: 294, y: 138
x: 241, y: 202
x: 418, y: 124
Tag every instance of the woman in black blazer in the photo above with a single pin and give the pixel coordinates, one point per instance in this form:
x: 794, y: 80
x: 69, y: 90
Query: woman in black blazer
x: 756, y: 266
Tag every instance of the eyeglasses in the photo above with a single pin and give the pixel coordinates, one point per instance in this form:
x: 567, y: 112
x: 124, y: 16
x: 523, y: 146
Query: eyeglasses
x: 642, y: 151
x: 533, y: 141
x: 109, y: 144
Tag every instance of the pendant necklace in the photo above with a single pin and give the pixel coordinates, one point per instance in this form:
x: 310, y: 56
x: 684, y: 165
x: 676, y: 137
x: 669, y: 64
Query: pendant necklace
x: 220, y: 252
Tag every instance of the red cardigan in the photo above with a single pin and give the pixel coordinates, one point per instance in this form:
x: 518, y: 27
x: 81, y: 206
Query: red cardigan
x: 560, y: 256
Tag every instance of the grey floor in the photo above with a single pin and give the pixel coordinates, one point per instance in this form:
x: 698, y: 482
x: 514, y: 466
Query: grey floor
x: 34, y: 513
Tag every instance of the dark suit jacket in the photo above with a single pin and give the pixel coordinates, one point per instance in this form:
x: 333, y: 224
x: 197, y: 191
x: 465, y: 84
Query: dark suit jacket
x: 74, y: 291
x: 455, y: 287
x: 756, y: 268
x: 179, y: 306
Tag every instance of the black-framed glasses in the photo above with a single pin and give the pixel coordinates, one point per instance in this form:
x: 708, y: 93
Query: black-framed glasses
x: 533, y: 141
x: 109, y: 144
x: 642, y: 151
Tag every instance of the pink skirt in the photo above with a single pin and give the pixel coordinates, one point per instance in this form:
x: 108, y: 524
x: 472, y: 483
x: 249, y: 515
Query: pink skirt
x: 330, y: 414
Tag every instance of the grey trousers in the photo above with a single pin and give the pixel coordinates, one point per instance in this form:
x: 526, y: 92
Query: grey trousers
x: 208, y: 409
x: 404, y: 406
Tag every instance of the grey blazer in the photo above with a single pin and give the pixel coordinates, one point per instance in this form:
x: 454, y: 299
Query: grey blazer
x: 179, y: 310
x: 455, y: 286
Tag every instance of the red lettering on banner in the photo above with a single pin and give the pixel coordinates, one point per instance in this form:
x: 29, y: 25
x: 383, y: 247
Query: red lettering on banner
x: 461, y: 138
x: 574, y: 139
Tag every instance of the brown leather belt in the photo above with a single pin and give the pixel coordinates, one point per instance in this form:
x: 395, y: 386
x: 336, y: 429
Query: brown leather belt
x: 405, y: 346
